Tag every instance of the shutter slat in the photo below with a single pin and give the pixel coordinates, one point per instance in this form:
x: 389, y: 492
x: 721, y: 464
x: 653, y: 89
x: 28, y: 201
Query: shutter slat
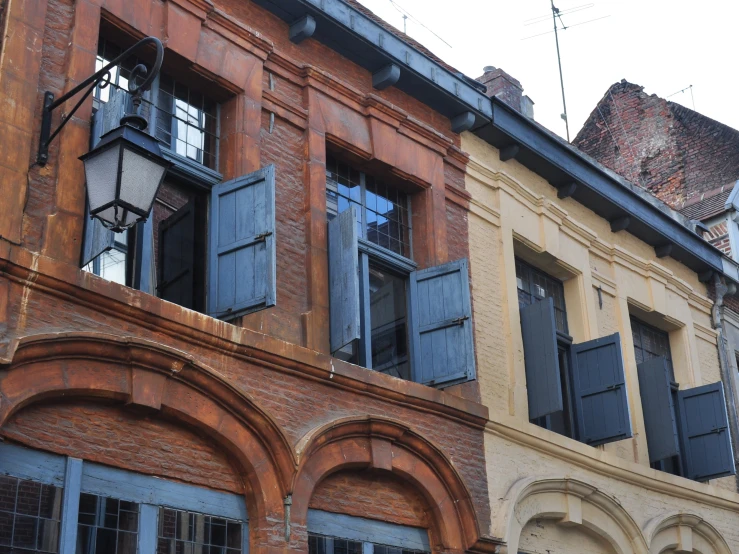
x: 242, y: 266
x: 344, y: 291
x: 442, y: 347
x: 177, y: 256
x: 541, y: 358
x: 599, y: 385
x: 705, y: 432
x: 658, y: 409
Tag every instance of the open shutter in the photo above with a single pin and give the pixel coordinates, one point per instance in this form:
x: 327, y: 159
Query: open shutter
x: 96, y: 238
x: 705, y: 432
x: 343, y: 272
x: 177, y: 256
x: 242, y: 261
x: 602, y: 406
x: 539, y: 332
x: 655, y: 377
x: 441, y: 325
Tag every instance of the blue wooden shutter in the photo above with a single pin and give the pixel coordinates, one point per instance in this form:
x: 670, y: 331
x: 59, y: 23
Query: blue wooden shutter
x: 343, y: 273
x: 96, y: 239
x: 177, y: 256
x: 441, y: 325
x: 655, y: 378
x: 541, y: 358
x: 242, y: 261
x: 602, y: 407
x: 705, y: 432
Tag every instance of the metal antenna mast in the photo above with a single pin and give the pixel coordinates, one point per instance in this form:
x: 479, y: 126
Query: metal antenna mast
x: 555, y: 14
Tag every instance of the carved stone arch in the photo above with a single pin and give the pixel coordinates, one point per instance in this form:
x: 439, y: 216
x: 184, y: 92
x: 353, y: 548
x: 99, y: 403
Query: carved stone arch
x: 163, y: 380
x: 572, y: 503
x: 387, y: 445
x: 684, y: 532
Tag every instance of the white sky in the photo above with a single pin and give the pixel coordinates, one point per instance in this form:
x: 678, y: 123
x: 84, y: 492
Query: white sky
x: 663, y: 45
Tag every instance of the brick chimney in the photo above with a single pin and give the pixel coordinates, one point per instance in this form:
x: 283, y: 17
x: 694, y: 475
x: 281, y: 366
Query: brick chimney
x: 508, y: 89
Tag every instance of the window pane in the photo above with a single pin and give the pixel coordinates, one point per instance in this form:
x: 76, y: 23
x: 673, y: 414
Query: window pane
x: 106, y: 525
x: 182, y: 532
x: 388, y: 315
x: 534, y: 285
x: 29, y: 516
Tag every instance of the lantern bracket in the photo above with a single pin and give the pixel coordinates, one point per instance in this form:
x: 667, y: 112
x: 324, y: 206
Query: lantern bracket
x: 102, y: 79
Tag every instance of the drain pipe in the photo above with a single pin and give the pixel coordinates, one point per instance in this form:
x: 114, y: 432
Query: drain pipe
x: 721, y: 290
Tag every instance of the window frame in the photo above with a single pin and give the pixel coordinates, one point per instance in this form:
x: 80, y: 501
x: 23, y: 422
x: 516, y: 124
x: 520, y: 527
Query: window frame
x: 76, y: 476
x: 370, y: 252
x: 676, y: 463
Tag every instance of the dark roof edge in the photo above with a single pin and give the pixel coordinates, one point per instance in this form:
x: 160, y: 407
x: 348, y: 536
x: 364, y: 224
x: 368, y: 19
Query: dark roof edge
x: 655, y: 222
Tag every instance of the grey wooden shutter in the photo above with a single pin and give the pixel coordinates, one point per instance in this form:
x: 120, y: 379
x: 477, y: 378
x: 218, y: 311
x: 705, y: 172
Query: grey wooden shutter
x: 144, y: 278
x: 343, y: 273
x: 655, y: 377
x: 601, y: 403
x: 96, y: 239
x: 177, y: 256
x: 242, y: 260
x: 541, y: 358
x: 705, y: 433
x: 441, y: 325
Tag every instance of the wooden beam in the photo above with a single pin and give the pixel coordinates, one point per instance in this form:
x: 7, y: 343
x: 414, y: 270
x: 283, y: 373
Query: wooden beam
x: 620, y: 223
x: 663, y: 250
x: 509, y: 152
x: 567, y: 190
x: 386, y: 77
x: 302, y: 29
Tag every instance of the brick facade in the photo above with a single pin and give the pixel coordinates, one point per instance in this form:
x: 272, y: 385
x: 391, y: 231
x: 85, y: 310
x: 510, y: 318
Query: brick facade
x: 98, y: 371
x: 674, y: 152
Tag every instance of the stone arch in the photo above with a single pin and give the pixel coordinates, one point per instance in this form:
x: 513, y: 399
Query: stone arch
x: 684, y: 532
x: 149, y: 376
x: 572, y: 503
x: 389, y: 446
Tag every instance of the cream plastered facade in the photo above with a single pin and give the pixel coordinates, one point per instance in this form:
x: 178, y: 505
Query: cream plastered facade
x: 550, y: 494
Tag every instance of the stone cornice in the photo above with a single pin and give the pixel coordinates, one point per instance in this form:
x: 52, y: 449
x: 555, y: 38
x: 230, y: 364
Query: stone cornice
x: 48, y: 276
x: 609, y: 465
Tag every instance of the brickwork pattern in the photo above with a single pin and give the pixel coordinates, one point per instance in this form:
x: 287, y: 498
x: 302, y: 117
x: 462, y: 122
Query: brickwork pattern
x: 672, y: 151
x: 112, y: 435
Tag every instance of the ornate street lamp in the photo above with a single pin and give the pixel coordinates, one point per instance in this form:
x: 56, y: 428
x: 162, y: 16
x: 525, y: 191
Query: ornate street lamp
x: 126, y: 168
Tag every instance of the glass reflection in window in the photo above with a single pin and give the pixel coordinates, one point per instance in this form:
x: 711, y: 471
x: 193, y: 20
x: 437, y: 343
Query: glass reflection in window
x: 29, y: 516
x: 106, y: 525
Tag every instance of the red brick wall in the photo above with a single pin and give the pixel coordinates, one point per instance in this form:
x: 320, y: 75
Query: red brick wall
x: 116, y: 436
x: 672, y: 151
x: 390, y: 500
x: 718, y: 236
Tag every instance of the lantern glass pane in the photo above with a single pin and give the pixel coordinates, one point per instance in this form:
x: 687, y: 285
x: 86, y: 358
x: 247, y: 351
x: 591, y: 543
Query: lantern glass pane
x: 101, y: 172
x: 140, y: 178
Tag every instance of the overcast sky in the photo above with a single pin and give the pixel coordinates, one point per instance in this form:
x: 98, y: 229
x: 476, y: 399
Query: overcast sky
x: 663, y: 45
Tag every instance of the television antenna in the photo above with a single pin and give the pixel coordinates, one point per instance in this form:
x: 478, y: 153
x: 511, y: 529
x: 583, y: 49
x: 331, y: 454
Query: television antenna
x: 557, y: 21
x: 408, y: 15
x: 690, y: 88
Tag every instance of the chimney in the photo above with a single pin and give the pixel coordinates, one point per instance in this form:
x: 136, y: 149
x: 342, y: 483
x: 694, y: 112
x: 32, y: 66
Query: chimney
x: 507, y: 89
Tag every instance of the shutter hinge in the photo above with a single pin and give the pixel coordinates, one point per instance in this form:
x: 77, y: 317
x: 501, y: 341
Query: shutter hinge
x: 262, y: 236
x: 460, y: 320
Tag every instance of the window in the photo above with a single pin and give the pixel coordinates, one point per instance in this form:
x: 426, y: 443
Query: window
x: 184, y: 120
x: 385, y: 314
x: 650, y: 343
x: 207, y: 245
x: 576, y: 390
x: 330, y: 533
x: 318, y: 544
x: 687, y: 430
x: 29, y: 516
x: 119, y: 512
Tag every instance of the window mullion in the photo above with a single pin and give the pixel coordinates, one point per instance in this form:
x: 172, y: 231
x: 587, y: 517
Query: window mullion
x: 70, y: 506
x: 368, y: 548
x: 147, y: 539
x: 365, y: 343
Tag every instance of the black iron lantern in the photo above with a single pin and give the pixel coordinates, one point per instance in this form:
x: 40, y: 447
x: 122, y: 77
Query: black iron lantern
x: 125, y: 170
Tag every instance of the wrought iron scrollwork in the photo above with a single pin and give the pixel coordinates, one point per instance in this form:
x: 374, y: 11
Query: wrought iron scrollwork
x: 102, y: 79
